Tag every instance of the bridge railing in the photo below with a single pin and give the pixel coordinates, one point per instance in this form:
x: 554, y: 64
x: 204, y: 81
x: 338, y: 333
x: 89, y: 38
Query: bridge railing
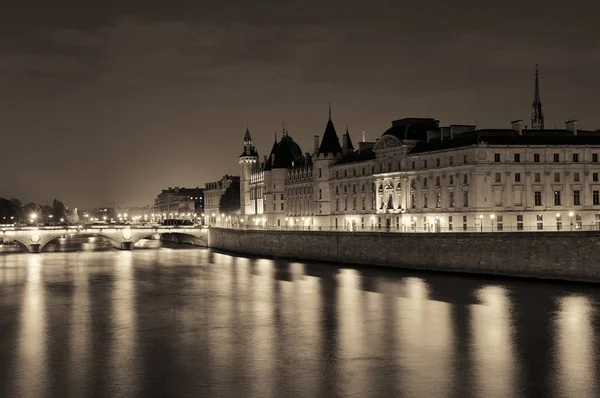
x: 432, y: 229
x: 81, y: 228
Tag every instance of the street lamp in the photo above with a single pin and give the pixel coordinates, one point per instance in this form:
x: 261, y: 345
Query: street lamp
x: 492, y: 216
x: 481, y: 222
x: 558, y: 221
x: 571, y: 219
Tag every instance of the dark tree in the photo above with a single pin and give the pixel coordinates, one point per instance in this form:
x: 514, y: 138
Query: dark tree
x: 59, y: 210
x: 230, y: 201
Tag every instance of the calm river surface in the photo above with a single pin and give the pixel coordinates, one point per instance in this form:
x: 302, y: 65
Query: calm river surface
x: 190, y: 322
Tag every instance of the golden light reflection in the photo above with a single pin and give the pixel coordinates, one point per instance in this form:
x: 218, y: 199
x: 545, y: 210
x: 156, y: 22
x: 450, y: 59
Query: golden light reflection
x: 263, y: 332
x: 575, y: 348
x: 124, y: 325
x: 425, y: 348
x: 493, y: 349
x: 32, y: 366
x: 80, y: 330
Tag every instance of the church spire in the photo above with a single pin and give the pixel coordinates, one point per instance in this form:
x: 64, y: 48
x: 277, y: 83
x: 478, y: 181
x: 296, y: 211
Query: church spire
x: 329, y: 107
x: 537, y: 115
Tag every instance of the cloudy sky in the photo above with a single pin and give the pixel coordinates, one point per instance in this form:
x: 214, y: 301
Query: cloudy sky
x: 114, y: 101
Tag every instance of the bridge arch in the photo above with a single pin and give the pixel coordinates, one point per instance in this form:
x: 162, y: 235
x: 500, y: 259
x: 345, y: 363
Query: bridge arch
x: 114, y: 242
x: 194, y: 237
x: 35, y: 240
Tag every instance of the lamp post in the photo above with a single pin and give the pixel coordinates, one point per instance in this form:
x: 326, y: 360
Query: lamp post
x: 492, y: 216
x: 481, y: 222
x: 558, y: 221
x: 571, y: 219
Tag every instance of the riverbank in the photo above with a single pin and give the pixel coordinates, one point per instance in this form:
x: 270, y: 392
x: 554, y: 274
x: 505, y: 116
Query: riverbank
x: 571, y: 256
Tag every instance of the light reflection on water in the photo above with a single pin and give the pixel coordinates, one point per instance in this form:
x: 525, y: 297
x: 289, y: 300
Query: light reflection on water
x: 576, y: 347
x: 192, y: 322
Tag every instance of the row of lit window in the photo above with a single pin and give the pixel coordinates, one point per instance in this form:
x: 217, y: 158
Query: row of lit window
x: 537, y: 157
x: 537, y: 177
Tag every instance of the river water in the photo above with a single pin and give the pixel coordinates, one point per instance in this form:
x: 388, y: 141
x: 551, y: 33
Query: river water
x: 190, y: 322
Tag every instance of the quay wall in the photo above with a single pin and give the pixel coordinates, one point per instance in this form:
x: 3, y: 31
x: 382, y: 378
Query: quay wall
x: 552, y: 255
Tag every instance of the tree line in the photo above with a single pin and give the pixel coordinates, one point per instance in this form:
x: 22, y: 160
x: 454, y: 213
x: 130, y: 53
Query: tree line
x: 12, y: 211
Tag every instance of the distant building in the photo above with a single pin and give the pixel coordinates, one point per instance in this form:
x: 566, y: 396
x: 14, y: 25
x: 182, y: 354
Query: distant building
x: 179, y: 203
x: 420, y: 176
x: 213, y: 192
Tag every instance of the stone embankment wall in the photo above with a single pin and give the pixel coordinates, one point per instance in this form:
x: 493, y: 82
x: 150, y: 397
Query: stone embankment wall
x: 556, y: 255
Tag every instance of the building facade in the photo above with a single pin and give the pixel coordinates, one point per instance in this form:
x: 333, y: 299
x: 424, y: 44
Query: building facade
x: 423, y: 177
x: 178, y: 203
x: 213, y: 192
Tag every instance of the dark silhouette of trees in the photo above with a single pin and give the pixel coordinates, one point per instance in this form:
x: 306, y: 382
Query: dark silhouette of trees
x: 59, y: 210
x: 10, y: 211
x: 13, y: 212
x: 230, y: 201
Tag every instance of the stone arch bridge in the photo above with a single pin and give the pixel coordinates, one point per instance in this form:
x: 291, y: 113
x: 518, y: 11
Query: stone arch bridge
x: 121, y: 237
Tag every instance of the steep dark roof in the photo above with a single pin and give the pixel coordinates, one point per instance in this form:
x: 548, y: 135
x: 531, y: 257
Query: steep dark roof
x: 269, y: 164
x: 559, y: 137
x: 285, y: 153
x: 347, y: 135
x: 357, y: 156
x: 412, y: 128
x: 249, y: 149
x: 330, y: 142
x: 247, y: 136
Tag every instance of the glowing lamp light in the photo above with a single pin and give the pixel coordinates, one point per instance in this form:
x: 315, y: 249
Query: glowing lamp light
x: 557, y: 215
x: 492, y: 216
x: 570, y: 214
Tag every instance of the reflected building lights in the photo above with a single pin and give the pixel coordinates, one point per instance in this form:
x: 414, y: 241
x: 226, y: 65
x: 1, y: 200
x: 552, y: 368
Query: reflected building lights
x: 124, y: 323
x: 32, y: 362
x: 493, y: 350
x: 575, y: 348
x: 80, y: 331
x: 425, y: 341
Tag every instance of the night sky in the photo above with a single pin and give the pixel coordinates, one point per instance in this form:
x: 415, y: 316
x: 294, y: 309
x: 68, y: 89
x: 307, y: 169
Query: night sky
x: 112, y: 102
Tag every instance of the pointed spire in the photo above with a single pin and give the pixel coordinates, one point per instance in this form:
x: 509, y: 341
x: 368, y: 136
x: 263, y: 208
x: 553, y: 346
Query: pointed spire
x: 329, y: 107
x: 249, y: 149
x: 537, y: 115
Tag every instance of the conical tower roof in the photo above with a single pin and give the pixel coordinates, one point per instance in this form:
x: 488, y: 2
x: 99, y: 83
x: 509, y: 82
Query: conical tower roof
x: 330, y: 142
x: 350, y: 145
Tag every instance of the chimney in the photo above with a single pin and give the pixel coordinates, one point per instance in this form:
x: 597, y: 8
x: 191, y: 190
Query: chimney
x: 316, y: 143
x: 572, y: 126
x: 517, y: 125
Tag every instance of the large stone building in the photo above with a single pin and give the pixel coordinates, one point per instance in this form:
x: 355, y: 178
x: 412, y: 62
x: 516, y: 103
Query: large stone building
x: 178, y: 203
x: 213, y: 192
x: 420, y: 176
